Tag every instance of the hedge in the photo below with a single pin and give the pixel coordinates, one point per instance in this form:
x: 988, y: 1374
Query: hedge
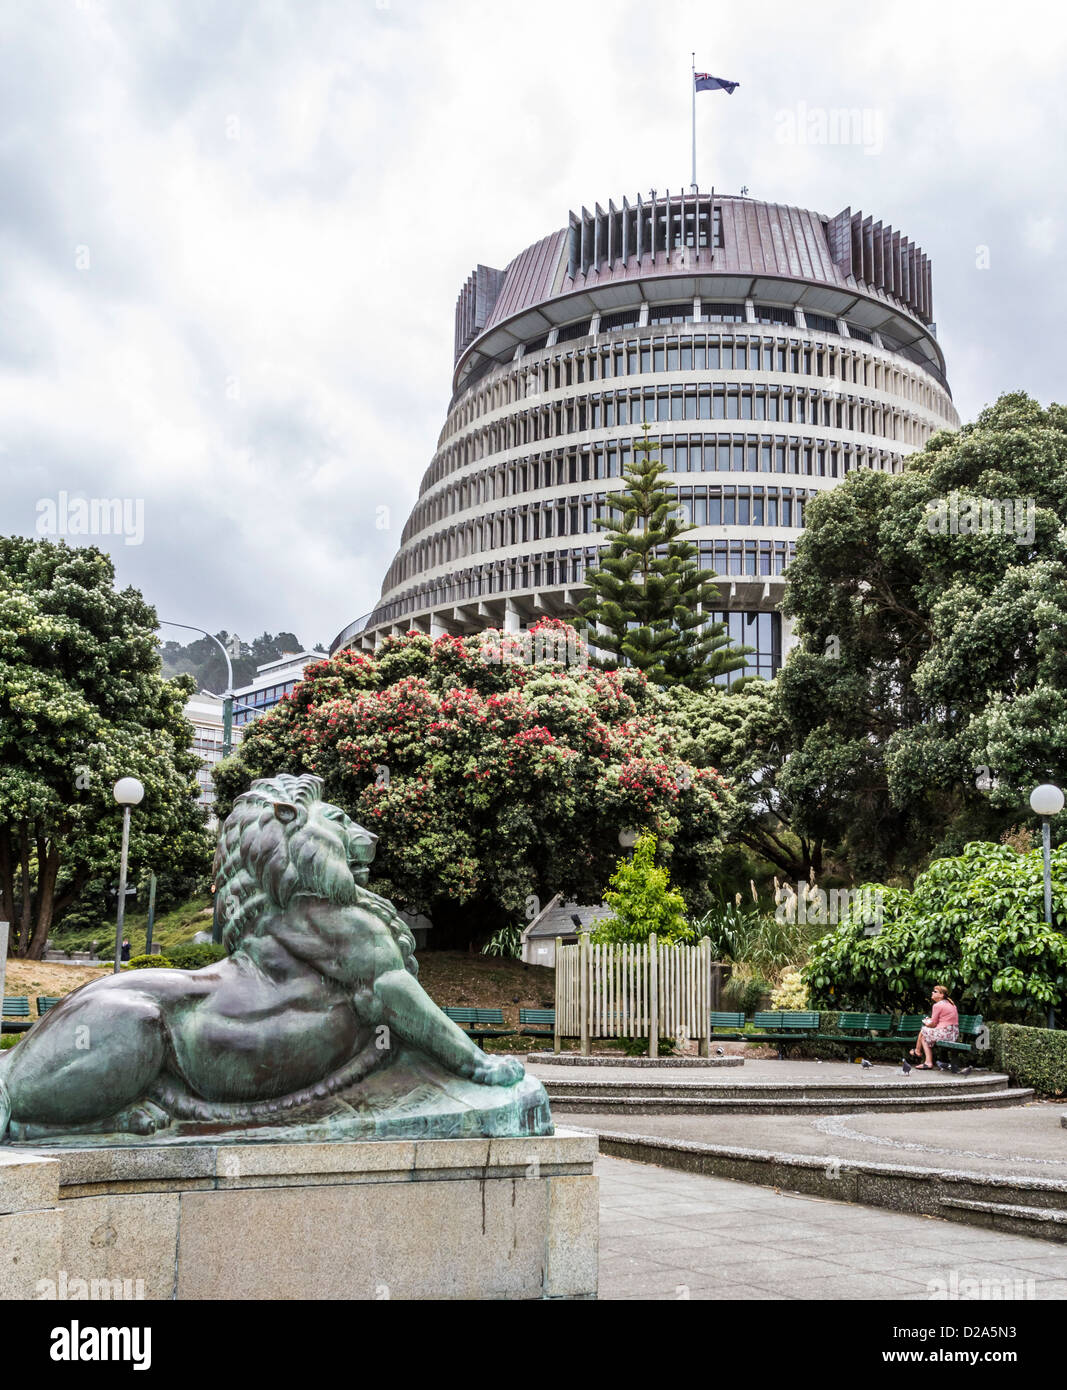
x: 195, y: 954
x: 1034, y: 1057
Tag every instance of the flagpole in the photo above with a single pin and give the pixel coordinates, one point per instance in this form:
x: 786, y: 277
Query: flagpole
x: 693, y: 95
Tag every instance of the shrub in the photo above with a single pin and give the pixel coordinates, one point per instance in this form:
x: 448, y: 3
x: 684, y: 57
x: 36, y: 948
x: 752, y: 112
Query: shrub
x: 148, y: 963
x: 196, y: 954
x: 642, y: 900
x: 9, y: 1040
x: 974, y: 922
x: 792, y: 992
x: 744, y: 991
x: 507, y: 942
x: 638, y: 1047
x: 741, y: 932
x: 1034, y: 1057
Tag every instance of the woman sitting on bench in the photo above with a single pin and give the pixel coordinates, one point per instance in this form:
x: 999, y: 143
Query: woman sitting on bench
x: 943, y: 1025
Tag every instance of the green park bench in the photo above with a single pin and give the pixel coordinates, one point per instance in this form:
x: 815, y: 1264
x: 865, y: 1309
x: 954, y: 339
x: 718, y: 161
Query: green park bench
x: 480, y: 1023
x: 862, y: 1031
x: 783, y: 1026
x: 16, y: 1017
x: 46, y: 1002
x: 907, y: 1029
x: 537, y: 1023
x: 732, y: 1026
x: 970, y: 1026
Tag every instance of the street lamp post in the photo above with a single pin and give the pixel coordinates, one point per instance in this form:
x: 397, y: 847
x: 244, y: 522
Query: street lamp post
x: 128, y: 792
x: 227, y: 697
x: 1047, y: 801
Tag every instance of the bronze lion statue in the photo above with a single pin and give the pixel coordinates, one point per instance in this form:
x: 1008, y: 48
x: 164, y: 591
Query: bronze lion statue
x: 318, y: 990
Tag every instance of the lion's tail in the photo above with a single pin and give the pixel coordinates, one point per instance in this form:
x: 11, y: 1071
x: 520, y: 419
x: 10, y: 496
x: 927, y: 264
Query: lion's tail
x: 184, y: 1105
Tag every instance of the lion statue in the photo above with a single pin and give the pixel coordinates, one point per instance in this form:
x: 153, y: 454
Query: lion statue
x: 318, y: 989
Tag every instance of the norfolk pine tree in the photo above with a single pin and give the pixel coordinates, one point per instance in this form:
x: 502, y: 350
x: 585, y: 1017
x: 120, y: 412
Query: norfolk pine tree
x: 649, y: 597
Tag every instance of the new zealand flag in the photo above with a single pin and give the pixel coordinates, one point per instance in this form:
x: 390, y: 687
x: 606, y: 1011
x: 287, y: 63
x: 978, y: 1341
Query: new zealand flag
x: 706, y: 83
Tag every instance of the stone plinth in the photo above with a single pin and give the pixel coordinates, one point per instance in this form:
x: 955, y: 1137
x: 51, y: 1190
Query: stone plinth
x: 406, y: 1219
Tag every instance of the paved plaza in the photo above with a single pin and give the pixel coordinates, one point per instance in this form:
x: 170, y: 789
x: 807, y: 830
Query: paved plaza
x: 666, y: 1234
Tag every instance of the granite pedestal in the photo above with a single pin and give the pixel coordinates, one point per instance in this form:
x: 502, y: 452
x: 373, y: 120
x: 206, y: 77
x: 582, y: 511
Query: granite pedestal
x: 403, y: 1219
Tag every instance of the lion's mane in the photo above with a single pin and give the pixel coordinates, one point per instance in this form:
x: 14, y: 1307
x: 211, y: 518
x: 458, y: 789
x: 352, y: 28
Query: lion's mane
x: 264, y: 860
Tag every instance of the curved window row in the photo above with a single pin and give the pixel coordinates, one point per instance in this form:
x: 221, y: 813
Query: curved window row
x: 751, y: 558
x: 533, y: 521
x: 680, y: 453
x: 712, y: 400
x: 752, y: 351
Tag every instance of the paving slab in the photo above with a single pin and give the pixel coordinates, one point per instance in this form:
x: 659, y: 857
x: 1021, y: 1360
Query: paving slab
x: 837, y: 1251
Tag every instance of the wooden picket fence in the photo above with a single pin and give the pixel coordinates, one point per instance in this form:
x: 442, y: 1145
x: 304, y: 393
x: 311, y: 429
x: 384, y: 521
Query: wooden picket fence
x: 630, y: 991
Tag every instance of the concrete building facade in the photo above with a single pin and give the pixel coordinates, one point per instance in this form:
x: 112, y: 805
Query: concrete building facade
x: 204, y: 712
x: 274, y: 680
x: 771, y: 349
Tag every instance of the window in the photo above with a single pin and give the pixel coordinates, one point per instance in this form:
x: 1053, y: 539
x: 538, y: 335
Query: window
x: 571, y: 331
x: 671, y: 313
x: 622, y: 318
x: 771, y: 313
x: 722, y: 313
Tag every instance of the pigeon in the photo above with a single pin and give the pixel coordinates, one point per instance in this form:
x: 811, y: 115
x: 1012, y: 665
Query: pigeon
x: 905, y: 1066
x: 865, y: 1063
x: 719, y: 1052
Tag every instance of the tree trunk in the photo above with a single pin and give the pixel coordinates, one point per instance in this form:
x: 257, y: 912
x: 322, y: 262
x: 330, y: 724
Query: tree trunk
x: 7, y: 881
x: 26, y: 913
x: 47, y: 872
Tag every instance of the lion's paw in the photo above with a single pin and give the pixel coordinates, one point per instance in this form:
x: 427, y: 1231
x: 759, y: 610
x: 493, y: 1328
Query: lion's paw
x: 145, y: 1118
x: 498, y: 1071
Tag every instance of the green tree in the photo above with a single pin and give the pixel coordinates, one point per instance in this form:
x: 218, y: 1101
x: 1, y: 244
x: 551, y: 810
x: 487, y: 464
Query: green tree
x: 743, y: 732
x: 642, y: 900
x: 649, y: 599
x: 929, y: 692
x: 492, y: 782
x: 82, y: 703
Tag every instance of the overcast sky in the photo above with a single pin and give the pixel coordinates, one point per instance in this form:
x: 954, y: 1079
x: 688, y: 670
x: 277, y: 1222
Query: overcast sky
x: 232, y: 234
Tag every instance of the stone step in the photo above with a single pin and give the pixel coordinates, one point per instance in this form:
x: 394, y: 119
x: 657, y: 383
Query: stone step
x: 854, y: 1103
x: 1048, y: 1223
x: 1027, y: 1206
x: 668, y: 1088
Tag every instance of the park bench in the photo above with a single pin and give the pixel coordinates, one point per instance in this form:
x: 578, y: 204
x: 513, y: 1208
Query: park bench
x: 862, y: 1031
x: 480, y: 1023
x: 907, y: 1029
x: 46, y: 1002
x: 783, y: 1026
x: 537, y: 1023
x: 16, y: 1007
x: 970, y: 1026
x: 733, y: 1026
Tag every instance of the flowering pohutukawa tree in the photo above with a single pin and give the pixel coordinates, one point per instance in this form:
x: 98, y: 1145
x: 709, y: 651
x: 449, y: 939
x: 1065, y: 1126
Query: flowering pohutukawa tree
x: 493, y: 781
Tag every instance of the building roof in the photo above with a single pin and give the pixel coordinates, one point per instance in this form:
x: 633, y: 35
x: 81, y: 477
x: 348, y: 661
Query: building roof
x: 849, y: 254
x: 555, y: 919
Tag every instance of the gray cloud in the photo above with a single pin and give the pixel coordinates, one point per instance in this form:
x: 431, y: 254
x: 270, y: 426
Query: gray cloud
x: 280, y: 201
